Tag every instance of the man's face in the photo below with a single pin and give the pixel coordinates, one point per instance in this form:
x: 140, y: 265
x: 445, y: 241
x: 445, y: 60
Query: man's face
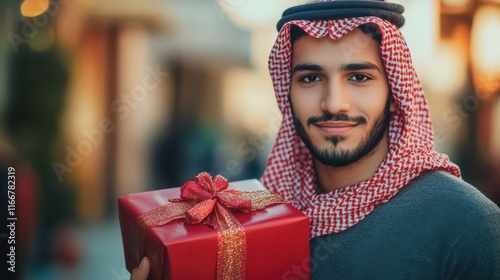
x: 340, y: 96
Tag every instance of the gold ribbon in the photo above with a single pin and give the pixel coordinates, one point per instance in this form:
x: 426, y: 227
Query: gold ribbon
x: 208, y: 201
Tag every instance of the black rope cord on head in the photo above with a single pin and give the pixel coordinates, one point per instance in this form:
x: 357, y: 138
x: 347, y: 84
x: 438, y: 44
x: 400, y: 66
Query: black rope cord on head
x: 344, y: 9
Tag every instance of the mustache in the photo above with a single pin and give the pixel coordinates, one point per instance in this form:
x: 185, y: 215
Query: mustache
x: 338, y: 117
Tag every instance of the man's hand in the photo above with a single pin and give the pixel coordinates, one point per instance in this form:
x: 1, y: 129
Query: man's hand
x: 142, y: 271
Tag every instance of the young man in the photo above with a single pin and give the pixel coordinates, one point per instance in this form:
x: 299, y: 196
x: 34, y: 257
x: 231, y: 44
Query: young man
x: 354, y: 152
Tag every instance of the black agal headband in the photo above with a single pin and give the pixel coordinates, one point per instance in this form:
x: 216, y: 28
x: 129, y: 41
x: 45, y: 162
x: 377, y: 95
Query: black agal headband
x: 344, y: 9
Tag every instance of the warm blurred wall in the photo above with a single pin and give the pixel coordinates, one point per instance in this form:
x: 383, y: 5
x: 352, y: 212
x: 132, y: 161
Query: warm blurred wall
x: 84, y: 123
x: 109, y: 103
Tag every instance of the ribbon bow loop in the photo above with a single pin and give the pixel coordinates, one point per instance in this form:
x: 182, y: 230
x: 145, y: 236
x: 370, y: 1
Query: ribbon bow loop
x: 233, y: 199
x: 200, y: 211
x: 203, y: 187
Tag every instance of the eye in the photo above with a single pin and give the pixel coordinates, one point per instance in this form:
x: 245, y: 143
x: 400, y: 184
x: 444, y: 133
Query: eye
x: 359, y: 78
x: 310, y: 78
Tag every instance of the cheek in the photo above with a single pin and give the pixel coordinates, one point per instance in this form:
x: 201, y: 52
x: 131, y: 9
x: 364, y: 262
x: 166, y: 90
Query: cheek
x: 305, y: 104
x: 370, y: 102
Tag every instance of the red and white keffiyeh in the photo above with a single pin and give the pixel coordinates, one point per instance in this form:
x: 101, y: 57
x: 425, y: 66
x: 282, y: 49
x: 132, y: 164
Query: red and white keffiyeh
x: 290, y: 170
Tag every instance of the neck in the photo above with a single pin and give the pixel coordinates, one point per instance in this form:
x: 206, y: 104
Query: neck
x: 331, y: 178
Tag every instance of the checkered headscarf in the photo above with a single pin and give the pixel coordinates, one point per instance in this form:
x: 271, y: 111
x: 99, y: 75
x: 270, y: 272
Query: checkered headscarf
x: 290, y: 170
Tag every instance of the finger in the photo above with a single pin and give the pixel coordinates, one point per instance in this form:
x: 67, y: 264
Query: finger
x: 142, y: 271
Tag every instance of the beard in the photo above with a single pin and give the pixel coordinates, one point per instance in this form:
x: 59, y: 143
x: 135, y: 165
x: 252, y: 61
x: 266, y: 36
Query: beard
x: 335, y: 156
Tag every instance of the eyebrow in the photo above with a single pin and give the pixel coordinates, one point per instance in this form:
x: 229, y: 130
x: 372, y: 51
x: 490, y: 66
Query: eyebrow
x: 359, y: 66
x: 343, y: 67
x: 307, y: 67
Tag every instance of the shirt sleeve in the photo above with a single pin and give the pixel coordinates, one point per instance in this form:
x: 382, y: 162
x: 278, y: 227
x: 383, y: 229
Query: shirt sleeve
x: 476, y: 252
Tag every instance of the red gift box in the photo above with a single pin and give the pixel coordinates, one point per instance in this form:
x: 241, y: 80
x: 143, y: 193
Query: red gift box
x: 277, y: 239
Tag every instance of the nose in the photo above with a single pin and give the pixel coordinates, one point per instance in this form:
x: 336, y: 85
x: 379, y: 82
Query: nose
x: 335, y: 99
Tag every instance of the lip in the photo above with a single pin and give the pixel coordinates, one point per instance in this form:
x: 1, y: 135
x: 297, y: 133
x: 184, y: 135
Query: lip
x: 335, y: 128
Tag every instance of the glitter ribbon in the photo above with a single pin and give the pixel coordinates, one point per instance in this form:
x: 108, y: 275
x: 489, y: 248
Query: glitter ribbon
x: 207, y: 201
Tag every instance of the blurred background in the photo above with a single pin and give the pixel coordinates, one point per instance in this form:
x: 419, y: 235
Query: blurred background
x: 104, y: 98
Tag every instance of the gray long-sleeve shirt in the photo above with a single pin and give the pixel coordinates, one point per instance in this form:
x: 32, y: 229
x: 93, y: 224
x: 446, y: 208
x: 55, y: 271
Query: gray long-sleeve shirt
x: 436, y: 227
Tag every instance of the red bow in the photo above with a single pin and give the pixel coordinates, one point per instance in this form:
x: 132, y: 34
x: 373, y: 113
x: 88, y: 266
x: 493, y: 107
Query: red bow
x: 208, y: 201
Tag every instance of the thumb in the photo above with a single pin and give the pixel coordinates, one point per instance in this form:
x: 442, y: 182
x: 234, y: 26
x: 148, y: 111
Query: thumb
x: 142, y: 271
